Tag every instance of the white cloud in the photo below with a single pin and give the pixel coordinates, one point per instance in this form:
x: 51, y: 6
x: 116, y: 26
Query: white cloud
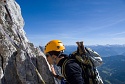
x: 121, y: 39
x: 107, y: 25
x: 119, y: 33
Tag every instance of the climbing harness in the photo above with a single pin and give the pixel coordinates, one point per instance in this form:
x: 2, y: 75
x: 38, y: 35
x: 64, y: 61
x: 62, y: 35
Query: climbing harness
x: 17, y: 46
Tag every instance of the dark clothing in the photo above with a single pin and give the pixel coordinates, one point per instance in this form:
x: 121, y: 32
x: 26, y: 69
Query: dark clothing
x: 73, y: 71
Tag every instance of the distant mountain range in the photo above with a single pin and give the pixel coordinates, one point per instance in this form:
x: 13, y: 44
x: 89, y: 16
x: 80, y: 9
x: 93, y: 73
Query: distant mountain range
x: 103, y: 50
x: 113, y: 69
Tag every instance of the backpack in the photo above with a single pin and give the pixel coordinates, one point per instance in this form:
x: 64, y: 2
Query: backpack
x: 88, y: 60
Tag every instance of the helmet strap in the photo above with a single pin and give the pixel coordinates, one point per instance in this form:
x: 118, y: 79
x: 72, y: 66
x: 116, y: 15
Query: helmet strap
x: 60, y: 53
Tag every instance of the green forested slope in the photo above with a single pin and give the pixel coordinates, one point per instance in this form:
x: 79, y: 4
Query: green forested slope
x: 113, y: 70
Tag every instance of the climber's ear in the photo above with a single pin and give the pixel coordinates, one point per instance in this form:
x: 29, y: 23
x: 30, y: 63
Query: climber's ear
x: 47, y: 55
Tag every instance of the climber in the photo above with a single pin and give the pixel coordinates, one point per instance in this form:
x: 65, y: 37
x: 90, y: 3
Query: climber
x: 54, y: 53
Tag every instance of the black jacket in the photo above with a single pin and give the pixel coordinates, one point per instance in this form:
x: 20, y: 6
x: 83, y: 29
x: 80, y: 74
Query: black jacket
x: 73, y: 71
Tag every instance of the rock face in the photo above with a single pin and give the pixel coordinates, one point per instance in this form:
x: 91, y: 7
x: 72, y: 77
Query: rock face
x: 19, y: 59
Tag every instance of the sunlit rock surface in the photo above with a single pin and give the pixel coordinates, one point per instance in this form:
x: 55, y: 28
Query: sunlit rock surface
x: 19, y: 59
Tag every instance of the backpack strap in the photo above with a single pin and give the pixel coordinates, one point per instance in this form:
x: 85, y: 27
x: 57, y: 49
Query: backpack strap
x: 63, y: 67
x: 85, y: 70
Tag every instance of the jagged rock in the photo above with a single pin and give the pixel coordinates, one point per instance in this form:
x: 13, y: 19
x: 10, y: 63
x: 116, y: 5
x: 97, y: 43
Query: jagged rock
x: 19, y: 59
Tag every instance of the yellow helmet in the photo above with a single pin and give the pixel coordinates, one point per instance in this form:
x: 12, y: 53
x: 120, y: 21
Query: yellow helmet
x: 54, y: 45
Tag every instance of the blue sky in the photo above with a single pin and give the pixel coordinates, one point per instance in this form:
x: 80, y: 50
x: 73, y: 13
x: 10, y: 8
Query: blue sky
x: 92, y: 21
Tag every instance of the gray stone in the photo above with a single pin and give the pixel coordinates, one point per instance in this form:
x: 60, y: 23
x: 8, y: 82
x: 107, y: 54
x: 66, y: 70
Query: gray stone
x: 19, y: 59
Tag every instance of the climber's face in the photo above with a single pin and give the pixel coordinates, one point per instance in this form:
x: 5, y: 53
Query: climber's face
x: 50, y: 59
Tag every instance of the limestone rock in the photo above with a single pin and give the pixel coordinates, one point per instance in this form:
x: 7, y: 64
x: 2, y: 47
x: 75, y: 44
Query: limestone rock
x: 19, y: 59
